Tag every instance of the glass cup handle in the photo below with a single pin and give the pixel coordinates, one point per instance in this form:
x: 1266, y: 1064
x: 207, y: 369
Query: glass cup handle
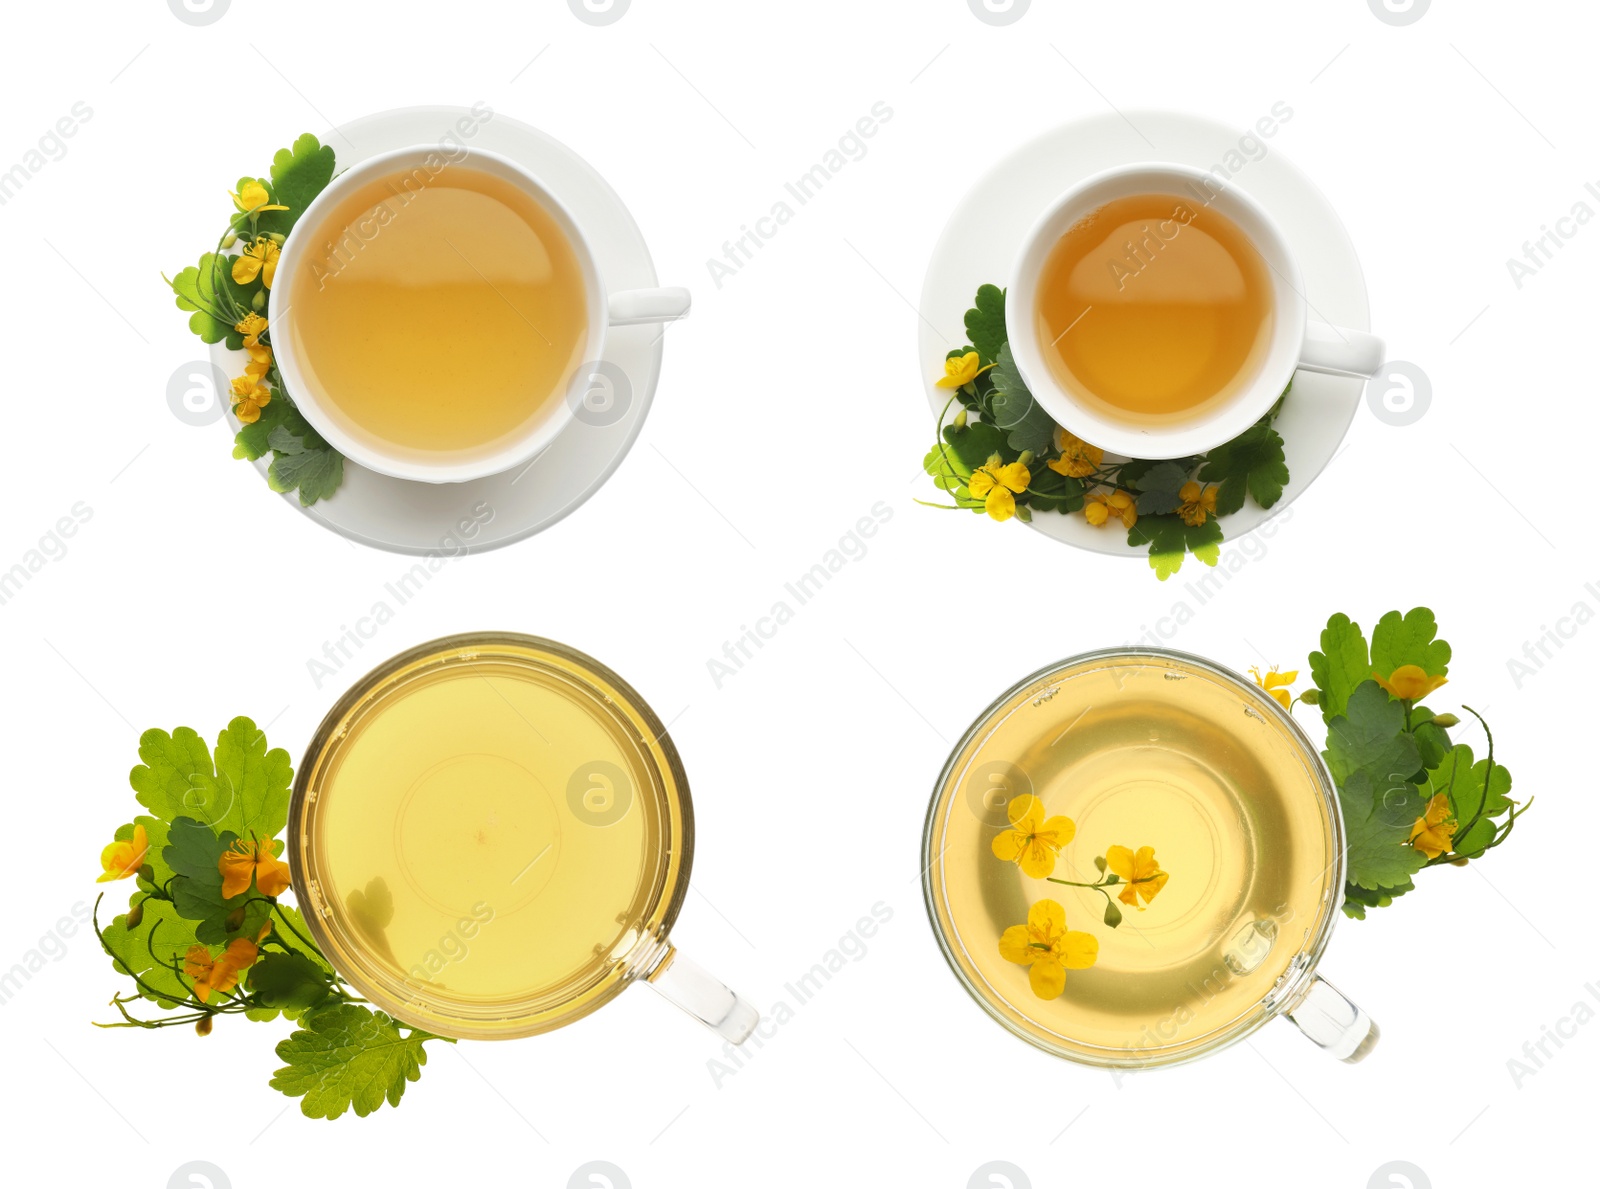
x: 704, y: 997
x: 1333, y: 1022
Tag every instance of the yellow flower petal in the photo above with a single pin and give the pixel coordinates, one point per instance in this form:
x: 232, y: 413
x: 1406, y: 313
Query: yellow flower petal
x: 981, y: 483
x: 1000, y: 504
x: 1409, y: 682
x: 1048, y: 917
x: 1037, y: 859
x: 1014, y: 945
x: 1008, y: 844
x: 1047, y: 978
x: 959, y: 371
x: 1079, y: 951
x: 1015, y: 476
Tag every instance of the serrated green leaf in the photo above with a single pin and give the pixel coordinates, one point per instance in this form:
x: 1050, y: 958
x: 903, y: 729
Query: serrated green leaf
x: 1476, y: 796
x: 1340, y: 666
x: 299, y: 174
x: 986, y: 323
x: 1027, y: 426
x: 1253, y: 462
x: 177, y: 778
x: 209, y: 293
x: 1158, y: 488
x: 345, y: 1056
x: 1169, y: 538
x: 258, y: 780
x: 1372, y: 758
x: 161, y: 931
x: 1409, y: 640
x: 315, y: 474
x: 287, y: 982
x: 194, y: 852
x: 973, y: 444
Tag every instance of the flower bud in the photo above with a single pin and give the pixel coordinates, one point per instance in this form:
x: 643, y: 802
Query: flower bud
x: 1024, y: 514
x: 202, y: 1026
x: 147, y: 873
x: 1311, y: 697
x: 1461, y: 862
x: 1445, y: 720
x: 235, y: 919
x: 961, y: 419
x: 135, y: 915
x: 1025, y: 457
x: 229, y: 240
x: 259, y: 301
x: 275, y: 237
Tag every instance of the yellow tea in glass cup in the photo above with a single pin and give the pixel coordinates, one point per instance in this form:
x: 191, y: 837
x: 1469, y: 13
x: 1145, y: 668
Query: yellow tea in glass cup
x: 491, y: 837
x: 1135, y: 858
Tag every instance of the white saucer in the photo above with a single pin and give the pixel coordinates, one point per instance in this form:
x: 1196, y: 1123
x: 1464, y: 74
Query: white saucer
x: 423, y: 518
x: 982, y: 237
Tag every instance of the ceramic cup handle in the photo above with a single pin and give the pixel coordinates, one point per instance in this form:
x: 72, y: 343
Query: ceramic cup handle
x: 704, y: 997
x: 1340, y: 352
x: 639, y: 307
x: 1333, y: 1022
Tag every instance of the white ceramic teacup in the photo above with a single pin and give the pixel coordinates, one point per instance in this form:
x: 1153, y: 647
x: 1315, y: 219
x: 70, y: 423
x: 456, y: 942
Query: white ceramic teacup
x: 1298, y: 341
x: 423, y: 165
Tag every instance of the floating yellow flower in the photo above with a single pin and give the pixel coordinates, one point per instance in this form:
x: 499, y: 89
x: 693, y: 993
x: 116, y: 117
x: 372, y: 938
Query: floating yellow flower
x: 1196, y: 503
x: 1078, y: 458
x: 961, y: 370
x: 1433, y: 833
x: 250, y: 395
x: 124, y: 857
x: 997, y: 486
x: 1099, y: 507
x: 1142, y: 876
x: 221, y: 973
x: 252, y: 856
x: 1048, y: 948
x: 1409, y: 682
x: 259, y: 259
x: 1033, y: 841
x: 252, y: 326
x: 253, y: 198
x: 1276, y: 683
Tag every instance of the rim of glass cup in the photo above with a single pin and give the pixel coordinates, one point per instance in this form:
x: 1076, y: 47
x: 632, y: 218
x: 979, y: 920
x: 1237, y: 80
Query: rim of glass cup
x: 1290, y: 986
x: 507, y: 1020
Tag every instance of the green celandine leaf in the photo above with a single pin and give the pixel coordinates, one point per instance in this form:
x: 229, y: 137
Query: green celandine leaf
x: 1358, y: 899
x: 1476, y: 795
x: 1372, y: 758
x: 1158, y: 485
x: 1253, y: 462
x: 986, y: 323
x: 1027, y: 426
x: 257, y: 778
x: 1054, y: 492
x: 1170, y: 538
x: 974, y: 444
x: 209, y: 291
x: 346, y: 1056
x: 194, y: 853
x: 287, y: 982
x: 315, y: 472
x: 1433, y: 741
x: 244, y: 789
x: 177, y: 777
x: 1409, y: 640
x: 299, y: 174
x: 148, y: 951
x: 1341, y: 666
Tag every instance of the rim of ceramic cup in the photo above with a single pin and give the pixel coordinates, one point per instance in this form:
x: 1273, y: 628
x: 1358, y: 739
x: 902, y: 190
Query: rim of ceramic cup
x: 501, y: 1020
x: 556, y: 413
x: 1301, y: 970
x: 1178, y: 438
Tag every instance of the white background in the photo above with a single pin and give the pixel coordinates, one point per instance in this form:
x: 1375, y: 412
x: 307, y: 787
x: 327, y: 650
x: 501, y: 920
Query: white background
x: 793, y: 402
